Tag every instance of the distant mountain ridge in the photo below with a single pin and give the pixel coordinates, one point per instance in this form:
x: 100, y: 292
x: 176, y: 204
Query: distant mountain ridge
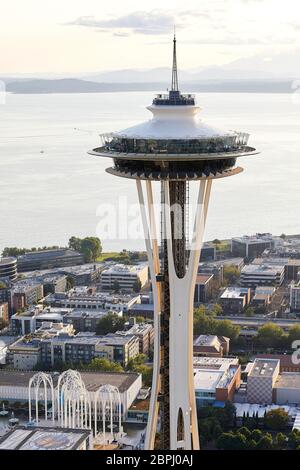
x: 75, y: 85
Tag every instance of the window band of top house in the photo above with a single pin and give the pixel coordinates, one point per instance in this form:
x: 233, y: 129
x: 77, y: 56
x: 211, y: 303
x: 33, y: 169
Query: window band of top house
x: 174, y: 147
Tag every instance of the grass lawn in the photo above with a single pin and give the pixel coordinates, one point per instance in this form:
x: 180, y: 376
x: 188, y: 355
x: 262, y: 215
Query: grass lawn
x: 109, y: 255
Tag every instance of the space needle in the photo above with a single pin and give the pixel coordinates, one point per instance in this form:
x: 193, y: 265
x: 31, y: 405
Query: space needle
x: 173, y: 148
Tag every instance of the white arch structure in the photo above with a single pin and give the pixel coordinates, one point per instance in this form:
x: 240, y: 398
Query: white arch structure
x: 73, y: 401
x: 38, y: 380
x: 109, y: 399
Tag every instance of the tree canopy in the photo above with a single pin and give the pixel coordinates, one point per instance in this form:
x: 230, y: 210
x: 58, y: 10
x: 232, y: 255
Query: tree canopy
x: 90, y: 247
x: 206, y: 324
x: 110, y: 323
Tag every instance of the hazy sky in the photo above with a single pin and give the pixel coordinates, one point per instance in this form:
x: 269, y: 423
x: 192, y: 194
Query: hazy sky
x: 92, y: 35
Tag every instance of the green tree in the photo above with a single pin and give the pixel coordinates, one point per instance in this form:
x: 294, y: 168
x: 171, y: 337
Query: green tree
x: 110, y: 323
x: 90, y: 247
x: 217, y: 310
x: 276, y: 420
x: 231, y: 274
x: 104, y: 365
x: 265, y: 443
x: 249, y: 312
x: 256, y: 435
x: 270, y: 336
x: 227, y: 328
x: 75, y: 243
x: 280, y: 441
x: 294, y: 439
x: 137, y: 285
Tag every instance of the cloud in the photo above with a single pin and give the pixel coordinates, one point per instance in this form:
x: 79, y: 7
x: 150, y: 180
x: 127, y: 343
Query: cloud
x: 141, y: 22
x: 155, y: 22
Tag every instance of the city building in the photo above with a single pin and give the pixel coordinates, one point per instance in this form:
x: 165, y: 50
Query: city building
x: 47, y: 259
x: 25, y: 293
x: 85, y: 274
x: 144, y: 332
x: 26, y: 352
x: 251, y: 246
x: 46, y: 438
x: 8, y: 269
x: 4, y: 311
x: 5, y: 342
x: 295, y: 297
x: 211, y: 346
x: 287, y: 362
x: 286, y: 389
x: 172, y: 149
x: 203, y: 288
x: 121, y: 276
x: 53, y: 283
x: 84, y: 347
x: 261, y: 380
x: 208, y: 252
x: 263, y: 296
x: 235, y: 299
x: 216, y: 379
x: 253, y: 275
x: 89, y: 299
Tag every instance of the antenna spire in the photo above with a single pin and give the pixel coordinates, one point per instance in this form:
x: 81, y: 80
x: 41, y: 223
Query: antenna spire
x: 174, y: 86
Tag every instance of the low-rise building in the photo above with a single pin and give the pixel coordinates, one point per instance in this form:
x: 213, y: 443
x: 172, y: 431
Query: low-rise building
x: 84, y: 347
x: 203, y: 288
x: 251, y: 246
x: 286, y: 389
x: 25, y: 293
x: 87, y: 298
x: 25, y: 353
x: 253, y: 275
x: 124, y: 276
x: 261, y: 380
x: 145, y: 334
x: 211, y: 346
x: 235, y: 299
x: 8, y: 268
x: 47, y: 259
x: 216, y: 379
x: 295, y: 297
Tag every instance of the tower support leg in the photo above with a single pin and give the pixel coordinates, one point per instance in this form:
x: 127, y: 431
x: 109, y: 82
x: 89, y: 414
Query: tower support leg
x: 183, y: 411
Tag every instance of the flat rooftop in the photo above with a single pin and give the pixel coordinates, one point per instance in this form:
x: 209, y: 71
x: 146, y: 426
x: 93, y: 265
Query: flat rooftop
x: 263, y: 367
x: 263, y: 269
x: 218, y: 363
x: 288, y: 380
x: 92, y: 380
x: 43, y: 438
x: 253, y: 239
x: 234, y: 293
x: 207, y: 379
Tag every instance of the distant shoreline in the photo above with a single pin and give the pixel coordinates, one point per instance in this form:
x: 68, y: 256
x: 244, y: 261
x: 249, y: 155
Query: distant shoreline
x: 43, y: 86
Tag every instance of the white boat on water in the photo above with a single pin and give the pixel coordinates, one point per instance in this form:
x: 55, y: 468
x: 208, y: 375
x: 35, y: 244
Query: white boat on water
x: 4, y: 412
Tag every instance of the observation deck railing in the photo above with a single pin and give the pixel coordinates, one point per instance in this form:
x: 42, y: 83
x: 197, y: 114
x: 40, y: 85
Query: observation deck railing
x: 112, y: 144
